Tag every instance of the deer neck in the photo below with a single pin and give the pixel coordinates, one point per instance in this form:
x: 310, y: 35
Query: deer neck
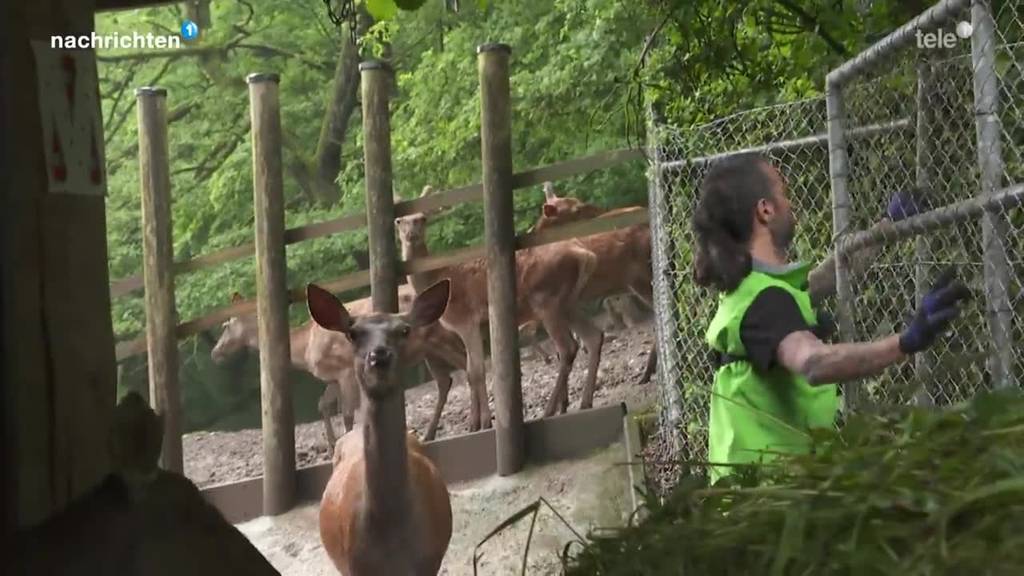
x: 298, y: 343
x: 422, y: 280
x: 387, y: 463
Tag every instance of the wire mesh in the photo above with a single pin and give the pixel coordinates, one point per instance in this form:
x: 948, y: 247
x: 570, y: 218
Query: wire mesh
x: 939, y: 114
x: 793, y: 136
x: 959, y: 84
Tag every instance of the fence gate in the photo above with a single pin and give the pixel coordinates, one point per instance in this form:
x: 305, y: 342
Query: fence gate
x: 946, y: 121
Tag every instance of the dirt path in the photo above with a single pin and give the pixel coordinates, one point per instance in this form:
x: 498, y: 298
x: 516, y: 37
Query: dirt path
x: 219, y: 457
x: 291, y: 542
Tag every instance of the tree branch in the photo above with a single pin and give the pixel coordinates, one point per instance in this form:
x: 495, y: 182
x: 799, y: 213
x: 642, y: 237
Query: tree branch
x: 120, y: 92
x: 113, y: 129
x: 811, y: 24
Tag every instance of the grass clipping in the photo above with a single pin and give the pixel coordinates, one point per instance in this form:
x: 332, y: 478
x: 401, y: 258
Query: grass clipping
x: 907, y: 492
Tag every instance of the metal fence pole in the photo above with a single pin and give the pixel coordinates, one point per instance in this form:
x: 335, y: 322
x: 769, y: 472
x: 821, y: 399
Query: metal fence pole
x: 666, y: 333
x: 998, y: 312
x: 499, y: 230
x: 158, y: 271
x: 923, y: 177
x: 272, y: 295
x: 839, y: 172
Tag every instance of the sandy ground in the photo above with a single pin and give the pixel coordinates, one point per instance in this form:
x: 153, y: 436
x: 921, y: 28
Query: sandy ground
x: 291, y: 542
x: 219, y: 457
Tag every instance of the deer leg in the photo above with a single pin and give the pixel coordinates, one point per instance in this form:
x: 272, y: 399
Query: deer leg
x: 566, y: 347
x: 643, y: 291
x: 479, y: 410
x: 327, y: 405
x: 540, y: 352
x: 652, y: 365
x: 443, y: 377
x: 593, y: 340
x: 349, y: 399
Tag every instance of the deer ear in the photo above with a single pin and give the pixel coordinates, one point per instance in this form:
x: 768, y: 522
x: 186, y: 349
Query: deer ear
x: 326, y: 310
x: 430, y: 304
x: 236, y: 298
x: 427, y: 191
x: 549, y: 210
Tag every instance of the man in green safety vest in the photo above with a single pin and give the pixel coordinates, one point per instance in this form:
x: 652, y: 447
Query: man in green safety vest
x: 775, y: 377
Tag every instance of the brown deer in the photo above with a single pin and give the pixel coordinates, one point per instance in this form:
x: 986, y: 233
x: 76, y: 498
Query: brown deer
x: 327, y: 356
x: 548, y: 282
x: 623, y: 256
x: 385, y: 509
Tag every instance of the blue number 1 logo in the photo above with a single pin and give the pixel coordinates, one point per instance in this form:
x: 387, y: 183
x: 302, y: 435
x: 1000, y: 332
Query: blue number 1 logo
x: 189, y: 30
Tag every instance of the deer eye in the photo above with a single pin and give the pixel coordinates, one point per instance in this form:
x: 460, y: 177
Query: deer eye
x: 404, y: 331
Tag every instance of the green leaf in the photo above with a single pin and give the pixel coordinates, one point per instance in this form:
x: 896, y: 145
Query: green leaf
x: 382, y: 9
x: 410, y: 4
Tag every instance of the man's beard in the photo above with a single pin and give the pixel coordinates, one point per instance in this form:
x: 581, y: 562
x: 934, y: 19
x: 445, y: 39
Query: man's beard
x: 782, y: 235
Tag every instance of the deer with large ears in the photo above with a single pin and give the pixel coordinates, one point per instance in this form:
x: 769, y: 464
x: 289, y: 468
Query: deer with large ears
x: 328, y: 357
x: 549, y: 279
x: 623, y: 256
x: 385, y: 510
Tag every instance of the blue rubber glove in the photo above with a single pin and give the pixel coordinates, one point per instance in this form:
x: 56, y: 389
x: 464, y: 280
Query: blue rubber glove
x: 938, y: 308
x: 902, y: 205
x: 826, y: 325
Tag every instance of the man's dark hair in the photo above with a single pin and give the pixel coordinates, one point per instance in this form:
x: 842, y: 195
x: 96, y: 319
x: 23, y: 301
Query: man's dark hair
x: 723, y: 220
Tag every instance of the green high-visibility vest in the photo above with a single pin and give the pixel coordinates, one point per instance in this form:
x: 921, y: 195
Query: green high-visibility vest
x: 756, y: 414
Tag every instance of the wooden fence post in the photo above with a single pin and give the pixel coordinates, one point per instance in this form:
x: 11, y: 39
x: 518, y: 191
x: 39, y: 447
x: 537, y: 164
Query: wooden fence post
x: 500, y: 235
x: 272, y: 295
x: 380, y: 207
x: 158, y: 272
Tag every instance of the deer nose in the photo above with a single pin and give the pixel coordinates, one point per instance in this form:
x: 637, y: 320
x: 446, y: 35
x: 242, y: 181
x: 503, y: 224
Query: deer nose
x: 379, y: 357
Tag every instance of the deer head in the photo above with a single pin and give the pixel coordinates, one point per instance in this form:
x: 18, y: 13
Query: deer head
x: 412, y: 229
x: 381, y: 342
x: 238, y: 333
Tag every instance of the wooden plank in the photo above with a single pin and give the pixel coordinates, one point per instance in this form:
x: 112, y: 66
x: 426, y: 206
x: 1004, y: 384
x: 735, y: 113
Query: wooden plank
x: 569, y: 168
x: 58, y: 372
x: 272, y: 296
x: 500, y: 240
x: 434, y: 202
x: 158, y: 260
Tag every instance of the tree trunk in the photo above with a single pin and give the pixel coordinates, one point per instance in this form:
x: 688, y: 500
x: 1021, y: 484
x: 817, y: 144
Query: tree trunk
x: 341, y: 103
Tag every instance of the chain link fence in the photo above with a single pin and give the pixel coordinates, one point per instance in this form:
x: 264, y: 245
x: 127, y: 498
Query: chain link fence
x: 934, y: 108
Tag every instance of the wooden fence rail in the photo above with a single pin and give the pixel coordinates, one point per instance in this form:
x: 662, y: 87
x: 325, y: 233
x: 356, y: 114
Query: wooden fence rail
x: 354, y: 280
x: 351, y: 222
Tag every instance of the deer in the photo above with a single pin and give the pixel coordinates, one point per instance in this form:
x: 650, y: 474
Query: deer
x: 385, y: 509
x: 549, y: 279
x: 623, y: 256
x: 328, y: 357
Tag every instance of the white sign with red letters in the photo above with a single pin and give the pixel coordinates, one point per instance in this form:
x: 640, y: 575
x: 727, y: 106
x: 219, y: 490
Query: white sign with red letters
x: 69, y: 107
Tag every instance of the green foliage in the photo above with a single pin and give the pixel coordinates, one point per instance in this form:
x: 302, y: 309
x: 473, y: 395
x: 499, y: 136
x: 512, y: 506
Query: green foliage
x: 578, y: 85
x: 909, y: 492
x: 384, y: 9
